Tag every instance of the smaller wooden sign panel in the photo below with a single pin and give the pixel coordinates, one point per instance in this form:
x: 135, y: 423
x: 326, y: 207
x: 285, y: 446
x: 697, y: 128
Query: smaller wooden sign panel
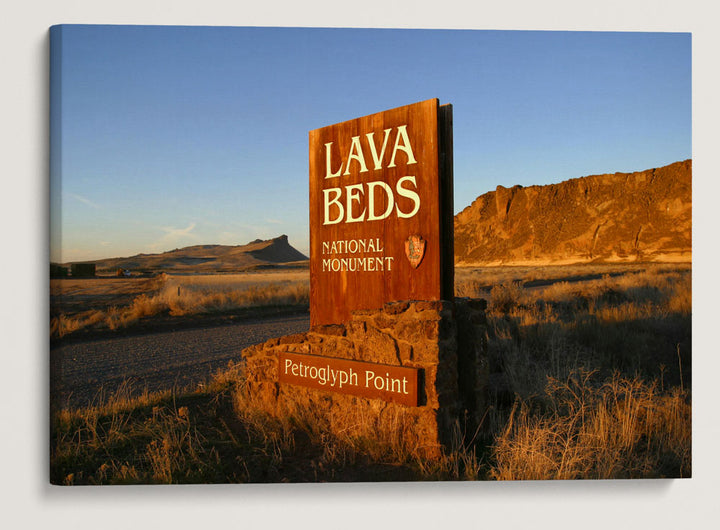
x: 397, y: 384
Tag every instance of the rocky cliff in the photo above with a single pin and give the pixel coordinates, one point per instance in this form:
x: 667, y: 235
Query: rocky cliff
x: 643, y: 216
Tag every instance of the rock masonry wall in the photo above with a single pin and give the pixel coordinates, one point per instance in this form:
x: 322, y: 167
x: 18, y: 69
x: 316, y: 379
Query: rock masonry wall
x: 444, y: 340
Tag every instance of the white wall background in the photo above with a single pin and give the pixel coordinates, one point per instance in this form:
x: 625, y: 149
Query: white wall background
x: 26, y: 498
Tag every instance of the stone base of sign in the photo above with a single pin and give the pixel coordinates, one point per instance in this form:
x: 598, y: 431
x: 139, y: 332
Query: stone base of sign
x: 444, y: 340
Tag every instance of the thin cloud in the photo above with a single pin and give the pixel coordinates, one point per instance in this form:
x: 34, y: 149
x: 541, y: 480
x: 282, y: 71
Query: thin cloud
x: 174, y: 237
x: 172, y: 232
x: 83, y: 200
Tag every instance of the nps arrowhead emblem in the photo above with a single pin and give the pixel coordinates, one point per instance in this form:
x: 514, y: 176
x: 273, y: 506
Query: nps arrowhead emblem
x: 415, y: 249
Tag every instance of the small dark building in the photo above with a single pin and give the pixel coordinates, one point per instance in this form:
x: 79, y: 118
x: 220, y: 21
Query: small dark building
x: 82, y: 270
x: 58, y: 271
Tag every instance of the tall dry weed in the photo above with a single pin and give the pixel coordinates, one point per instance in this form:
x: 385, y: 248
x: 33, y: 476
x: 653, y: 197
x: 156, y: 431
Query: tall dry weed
x: 506, y: 297
x: 623, y: 428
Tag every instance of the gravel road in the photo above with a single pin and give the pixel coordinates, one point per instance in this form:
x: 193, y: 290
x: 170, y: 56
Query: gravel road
x: 82, y: 373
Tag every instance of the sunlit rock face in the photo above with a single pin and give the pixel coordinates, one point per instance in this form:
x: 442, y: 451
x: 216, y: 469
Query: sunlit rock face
x: 643, y: 216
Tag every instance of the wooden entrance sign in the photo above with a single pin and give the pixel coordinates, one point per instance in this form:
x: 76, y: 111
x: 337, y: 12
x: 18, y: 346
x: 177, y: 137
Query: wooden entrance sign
x: 381, y: 211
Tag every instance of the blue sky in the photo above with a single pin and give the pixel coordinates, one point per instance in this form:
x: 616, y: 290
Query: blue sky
x: 163, y: 136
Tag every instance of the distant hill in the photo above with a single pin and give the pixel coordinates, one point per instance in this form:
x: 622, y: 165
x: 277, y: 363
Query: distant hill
x: 257, y: 254
x: 643, y: 216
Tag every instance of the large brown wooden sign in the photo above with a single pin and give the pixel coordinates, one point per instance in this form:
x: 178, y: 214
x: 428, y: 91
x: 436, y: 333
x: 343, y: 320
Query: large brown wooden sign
x: 389, y: 383
x: 381, y: 211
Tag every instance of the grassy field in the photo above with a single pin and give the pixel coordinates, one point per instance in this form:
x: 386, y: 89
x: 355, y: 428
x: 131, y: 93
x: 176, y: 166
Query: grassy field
x: 590, y: 378
x: 114, y: 303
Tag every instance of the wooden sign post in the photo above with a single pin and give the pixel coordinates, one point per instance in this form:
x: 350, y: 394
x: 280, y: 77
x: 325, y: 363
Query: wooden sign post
x: 384, y: 321
x: 381, y: 211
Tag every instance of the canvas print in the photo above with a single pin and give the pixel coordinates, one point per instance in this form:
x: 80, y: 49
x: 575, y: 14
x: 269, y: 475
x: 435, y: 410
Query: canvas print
x: 368, y: 255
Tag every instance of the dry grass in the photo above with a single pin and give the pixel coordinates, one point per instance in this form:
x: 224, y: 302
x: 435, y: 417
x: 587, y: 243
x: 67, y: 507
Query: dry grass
x: 590, y: 380
x: 192, y: 295
x: 476, y: 282
x: 623, y: 428
x: 371, y: 446
x: 169, y: 296
x: 220, y: 434
x: 595, y: 377
x: 156, y: 438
